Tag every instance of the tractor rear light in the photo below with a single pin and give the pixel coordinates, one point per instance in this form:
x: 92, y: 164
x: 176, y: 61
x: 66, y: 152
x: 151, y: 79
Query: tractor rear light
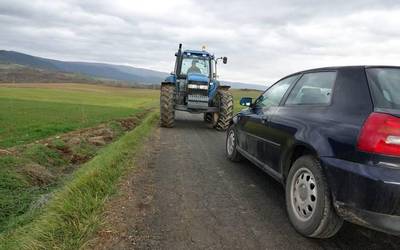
x: 380, y: 135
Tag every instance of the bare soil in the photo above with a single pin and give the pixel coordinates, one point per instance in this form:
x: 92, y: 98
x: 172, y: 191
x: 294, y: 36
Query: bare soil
x: 98, y: 136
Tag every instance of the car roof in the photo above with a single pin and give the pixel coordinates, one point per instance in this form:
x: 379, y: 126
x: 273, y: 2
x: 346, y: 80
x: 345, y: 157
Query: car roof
x: 342, y: 67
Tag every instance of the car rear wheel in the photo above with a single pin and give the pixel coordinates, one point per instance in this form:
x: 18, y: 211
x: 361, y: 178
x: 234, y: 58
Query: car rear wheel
x: 231, y: 142
x: 308, y: 200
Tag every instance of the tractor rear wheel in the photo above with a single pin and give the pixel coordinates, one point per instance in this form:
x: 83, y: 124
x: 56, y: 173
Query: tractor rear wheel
x: 167, y: 112
x: 225, y: 102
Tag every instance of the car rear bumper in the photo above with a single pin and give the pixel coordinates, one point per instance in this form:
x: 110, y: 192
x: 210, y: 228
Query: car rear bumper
x: 381, y: 222
x: 365, y: 194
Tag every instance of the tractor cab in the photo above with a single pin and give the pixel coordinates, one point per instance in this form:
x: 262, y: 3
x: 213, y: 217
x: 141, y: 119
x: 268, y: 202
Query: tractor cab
x: 193, y: 62
x: 196, y: 61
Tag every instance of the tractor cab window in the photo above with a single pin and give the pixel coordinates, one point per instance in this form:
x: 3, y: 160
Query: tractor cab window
x: 195, y: 65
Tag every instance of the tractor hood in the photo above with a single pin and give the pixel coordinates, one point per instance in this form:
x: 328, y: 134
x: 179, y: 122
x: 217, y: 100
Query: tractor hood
x: 197, y: 78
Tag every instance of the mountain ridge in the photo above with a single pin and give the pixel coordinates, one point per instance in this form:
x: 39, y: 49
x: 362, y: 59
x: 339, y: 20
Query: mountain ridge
x: 97, y: 69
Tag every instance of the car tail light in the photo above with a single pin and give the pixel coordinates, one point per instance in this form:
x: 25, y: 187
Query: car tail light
x: 380, y: 134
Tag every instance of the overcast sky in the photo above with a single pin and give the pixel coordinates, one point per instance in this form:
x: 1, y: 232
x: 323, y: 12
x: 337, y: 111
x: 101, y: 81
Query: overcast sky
x: 264, y: 40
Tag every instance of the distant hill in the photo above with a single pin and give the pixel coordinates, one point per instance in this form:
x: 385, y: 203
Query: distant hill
x: 101, y: 70
x: 239, y: 85
x: 32, y: 66
x: 15, y: 73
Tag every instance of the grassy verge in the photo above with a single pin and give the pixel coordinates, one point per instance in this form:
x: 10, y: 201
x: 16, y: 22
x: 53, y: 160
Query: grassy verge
x: 73, y: 213
x: 29, y: 173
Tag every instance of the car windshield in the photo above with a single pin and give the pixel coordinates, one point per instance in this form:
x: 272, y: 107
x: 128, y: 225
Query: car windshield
x: 385, y: 87
x: 195, y: 65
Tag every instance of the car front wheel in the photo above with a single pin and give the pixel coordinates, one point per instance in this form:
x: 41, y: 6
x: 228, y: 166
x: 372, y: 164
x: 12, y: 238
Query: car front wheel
x: 308, y: 200
x: 231, y: 142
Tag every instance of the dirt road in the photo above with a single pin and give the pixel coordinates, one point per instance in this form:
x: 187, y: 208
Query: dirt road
x: 196, y: 199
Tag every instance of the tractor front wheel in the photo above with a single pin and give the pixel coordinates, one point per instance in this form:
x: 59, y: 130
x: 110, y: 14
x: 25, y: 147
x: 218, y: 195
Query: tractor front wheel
x: 225, y: 102
x: 167, y: 112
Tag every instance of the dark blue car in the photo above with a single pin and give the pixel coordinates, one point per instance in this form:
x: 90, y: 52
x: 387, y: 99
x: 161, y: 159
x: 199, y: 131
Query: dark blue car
x: 331, y: 136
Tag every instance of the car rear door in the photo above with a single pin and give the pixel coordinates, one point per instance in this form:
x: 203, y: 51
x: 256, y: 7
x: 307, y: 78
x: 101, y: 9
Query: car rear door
x: 304, y: 109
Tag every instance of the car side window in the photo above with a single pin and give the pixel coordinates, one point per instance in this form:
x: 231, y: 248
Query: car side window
x: 313, y: 89
x: 274, y: 95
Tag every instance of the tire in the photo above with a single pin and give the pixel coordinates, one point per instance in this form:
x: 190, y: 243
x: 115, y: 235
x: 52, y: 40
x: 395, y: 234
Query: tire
x: 230, y: 145
x: 225, y: 102
x: 308, y: 200
x: 167, y: 112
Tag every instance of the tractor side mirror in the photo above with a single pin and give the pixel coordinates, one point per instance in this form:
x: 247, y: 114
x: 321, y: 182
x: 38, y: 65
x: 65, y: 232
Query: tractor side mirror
x: 225, y: 59
x: 246, y: 101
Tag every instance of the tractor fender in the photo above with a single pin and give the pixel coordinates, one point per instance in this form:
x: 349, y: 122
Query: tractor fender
x: 171, y: 79
x: 224, y: 87
x: 167, y: 83
x: 214, y: 85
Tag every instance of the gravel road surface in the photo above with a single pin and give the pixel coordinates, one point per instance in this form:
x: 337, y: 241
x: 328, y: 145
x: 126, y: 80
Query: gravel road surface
x: 200, y: 200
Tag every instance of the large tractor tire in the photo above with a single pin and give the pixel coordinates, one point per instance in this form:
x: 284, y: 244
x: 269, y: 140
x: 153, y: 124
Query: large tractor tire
x: 167, y: 112
x: 225, y: 102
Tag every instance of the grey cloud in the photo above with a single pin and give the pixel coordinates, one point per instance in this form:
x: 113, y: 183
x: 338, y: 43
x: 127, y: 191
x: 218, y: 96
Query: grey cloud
x: 263, y: 39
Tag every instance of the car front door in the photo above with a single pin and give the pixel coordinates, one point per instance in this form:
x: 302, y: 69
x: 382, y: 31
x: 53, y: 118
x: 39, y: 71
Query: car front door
x: 256, y: 124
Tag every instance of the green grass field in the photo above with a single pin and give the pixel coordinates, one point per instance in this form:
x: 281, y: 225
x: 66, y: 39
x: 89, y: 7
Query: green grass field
x: 30, y: 112
x: 36, y: 111
x: 73, y: 213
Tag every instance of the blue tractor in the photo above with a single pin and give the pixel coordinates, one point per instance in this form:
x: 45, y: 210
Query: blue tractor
x: 193, y: 87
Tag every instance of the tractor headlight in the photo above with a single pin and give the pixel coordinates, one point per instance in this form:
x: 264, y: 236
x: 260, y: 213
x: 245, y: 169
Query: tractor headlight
x: 195, y: 86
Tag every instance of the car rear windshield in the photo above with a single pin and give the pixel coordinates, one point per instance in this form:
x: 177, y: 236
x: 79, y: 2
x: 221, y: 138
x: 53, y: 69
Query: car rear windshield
x: 385, y: 87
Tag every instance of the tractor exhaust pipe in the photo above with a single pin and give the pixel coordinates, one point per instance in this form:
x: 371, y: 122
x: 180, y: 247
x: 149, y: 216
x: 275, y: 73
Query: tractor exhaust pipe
x: 180, y: 49
x: 178, y: 57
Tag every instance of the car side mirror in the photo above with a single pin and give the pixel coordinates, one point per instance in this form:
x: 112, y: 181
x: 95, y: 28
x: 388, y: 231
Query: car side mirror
x: 225, y: 59
x: 246, y: 101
